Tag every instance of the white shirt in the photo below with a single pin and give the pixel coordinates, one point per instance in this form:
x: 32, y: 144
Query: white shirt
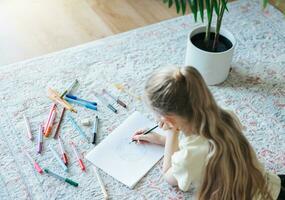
x: 189, y: 162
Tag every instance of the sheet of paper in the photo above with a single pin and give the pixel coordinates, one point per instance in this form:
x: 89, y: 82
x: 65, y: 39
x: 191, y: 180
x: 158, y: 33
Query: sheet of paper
x: 126, y: 162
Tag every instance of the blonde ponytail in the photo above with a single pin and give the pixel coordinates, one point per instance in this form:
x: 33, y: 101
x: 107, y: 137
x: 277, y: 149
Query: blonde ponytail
x: 231, y: 172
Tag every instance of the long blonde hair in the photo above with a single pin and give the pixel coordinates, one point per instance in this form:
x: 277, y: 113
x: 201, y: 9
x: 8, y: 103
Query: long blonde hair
x: 231, y: 173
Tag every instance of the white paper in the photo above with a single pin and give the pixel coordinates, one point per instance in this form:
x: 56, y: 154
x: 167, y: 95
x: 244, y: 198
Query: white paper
x: 126, y: 162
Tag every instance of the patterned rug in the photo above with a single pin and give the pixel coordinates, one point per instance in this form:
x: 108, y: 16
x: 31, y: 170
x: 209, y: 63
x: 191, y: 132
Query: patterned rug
x: 255, y: 90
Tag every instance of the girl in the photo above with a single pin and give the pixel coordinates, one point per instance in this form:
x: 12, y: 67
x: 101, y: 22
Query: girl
x: 205, y: 145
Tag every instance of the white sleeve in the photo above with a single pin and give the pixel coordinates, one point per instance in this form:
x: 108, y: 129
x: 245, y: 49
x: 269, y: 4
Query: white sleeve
x: 188, y: 165
x: 180, y: 169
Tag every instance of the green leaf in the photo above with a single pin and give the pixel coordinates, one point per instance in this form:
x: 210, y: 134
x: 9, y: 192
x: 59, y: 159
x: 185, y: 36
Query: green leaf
x: 170, y: 2
x: 165, y: 1
x: 265, y: 2
x: 224, y: 3
x: 201, y: 9
x: 216, y: 6
x: 177, y: 5
x: 227, y: 8
x: 183, y: 6
x: 194, y: 9
x: 208, y: 8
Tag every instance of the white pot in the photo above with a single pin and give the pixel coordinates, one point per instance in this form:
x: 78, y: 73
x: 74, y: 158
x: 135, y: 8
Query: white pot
x: 213, y: 66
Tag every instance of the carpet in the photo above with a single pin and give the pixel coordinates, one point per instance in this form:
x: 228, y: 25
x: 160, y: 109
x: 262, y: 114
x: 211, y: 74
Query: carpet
x: 254, y: 90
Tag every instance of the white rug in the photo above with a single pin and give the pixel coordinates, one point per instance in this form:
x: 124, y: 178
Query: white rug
x: 255, y: 90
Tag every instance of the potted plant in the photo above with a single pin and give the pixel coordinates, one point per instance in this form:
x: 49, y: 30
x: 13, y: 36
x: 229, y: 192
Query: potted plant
x: 209, y: 48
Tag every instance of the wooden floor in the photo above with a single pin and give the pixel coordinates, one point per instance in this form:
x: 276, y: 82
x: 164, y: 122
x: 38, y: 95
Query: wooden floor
x: 30, y: 28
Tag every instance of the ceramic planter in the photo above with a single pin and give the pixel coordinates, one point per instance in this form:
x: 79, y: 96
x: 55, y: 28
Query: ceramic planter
x: 213, y: 66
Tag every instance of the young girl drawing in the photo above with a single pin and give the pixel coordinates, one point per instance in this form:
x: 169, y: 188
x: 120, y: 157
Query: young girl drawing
x: 205, y: 145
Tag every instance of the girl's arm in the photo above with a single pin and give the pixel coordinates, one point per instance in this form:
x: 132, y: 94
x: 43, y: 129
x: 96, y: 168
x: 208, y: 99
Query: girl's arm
x: 153, y: 138
x: 171, y: 146
x: 170, y: 141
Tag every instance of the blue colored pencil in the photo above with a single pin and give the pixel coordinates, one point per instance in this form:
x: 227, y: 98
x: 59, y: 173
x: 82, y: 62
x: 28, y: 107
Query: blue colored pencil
x: 75, y: 126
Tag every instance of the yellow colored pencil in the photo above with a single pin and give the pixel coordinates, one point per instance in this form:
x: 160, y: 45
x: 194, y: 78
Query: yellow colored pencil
x: 55, y: 96
x: 123, y: 89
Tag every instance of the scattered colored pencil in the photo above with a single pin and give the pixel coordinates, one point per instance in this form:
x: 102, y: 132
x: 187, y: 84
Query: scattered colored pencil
x: 95, y: 129
x: 75, y: 126
x: 56, y: 156
x: 49, y: 126
x: 81, y: 164
x: 53, y: 107
x: 117, y: 100
x: 67, y: 180
x: 56, y: 134
x: 28, y: 127
x: 63, y: 153
x: 101, y: 183
x: 81, y: 103
x: 121, y: 88
x: 55, y: 96
x: 104, y: 101
x: 79, y: 99
x: 40, y: 139
x: 68, y: 90
x: 36, y: 165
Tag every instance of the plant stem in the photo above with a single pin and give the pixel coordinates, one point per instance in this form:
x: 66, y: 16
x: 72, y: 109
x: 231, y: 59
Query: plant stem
x: 218, y: 26
x: 208, y: 28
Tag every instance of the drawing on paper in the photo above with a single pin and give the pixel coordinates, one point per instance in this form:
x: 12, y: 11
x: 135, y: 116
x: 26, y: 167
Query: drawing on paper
x: 130, y: 152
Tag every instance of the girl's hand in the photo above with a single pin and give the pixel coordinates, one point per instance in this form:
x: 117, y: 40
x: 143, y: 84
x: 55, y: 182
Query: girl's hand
x: 163, y: 125
x: 152, y: 137
x: 166, y: 126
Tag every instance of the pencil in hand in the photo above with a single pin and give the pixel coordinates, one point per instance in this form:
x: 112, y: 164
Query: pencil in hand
x: 146, y: 132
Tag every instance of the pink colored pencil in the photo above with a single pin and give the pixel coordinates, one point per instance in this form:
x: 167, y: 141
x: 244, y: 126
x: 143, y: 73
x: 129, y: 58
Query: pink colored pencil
x: 81, y: 164
x: 50, y: 124
x: 53, y: 107
x: 36, y: 165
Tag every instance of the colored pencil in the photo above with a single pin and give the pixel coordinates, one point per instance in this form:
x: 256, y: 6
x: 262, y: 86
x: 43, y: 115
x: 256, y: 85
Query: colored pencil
x: 56, y: 156
x: 79, y: 99
x: 67, y: 180
x: 56, y: 134
x: 147, y: 132
x: 40, y: 139
x: 81, y: 164
x: 63, y: 153
x: 104, y: 101
x: 36, y: 165
x: 95, y: 129
x: 68, y: 90
x: 81, y: 103
x: 28, y: 127
x: 103, y: 189
x: 53, y: 107
x: 55, y: 96
x: 75, y: 126
x: 117, y: 100
x: 49, y: 126
x: 121, y: 88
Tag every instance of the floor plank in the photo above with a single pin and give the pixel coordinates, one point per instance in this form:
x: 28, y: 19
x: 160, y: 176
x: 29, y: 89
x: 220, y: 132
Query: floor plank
x: 32, y: 28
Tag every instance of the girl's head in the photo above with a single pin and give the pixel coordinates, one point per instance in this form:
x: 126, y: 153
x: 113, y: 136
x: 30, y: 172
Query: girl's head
x: 180, y: 96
